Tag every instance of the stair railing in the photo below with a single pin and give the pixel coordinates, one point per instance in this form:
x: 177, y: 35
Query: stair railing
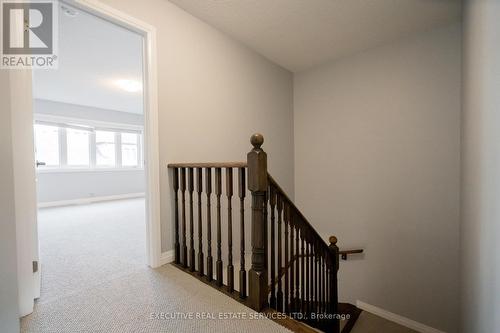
x: 292, y: 269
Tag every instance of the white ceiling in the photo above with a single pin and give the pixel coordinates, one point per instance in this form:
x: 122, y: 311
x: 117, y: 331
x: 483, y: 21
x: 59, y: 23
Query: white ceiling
x: 93, y: 54
x: 298, y: 34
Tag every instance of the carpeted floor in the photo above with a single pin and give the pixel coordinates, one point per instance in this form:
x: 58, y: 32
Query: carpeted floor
x: 94, y: 280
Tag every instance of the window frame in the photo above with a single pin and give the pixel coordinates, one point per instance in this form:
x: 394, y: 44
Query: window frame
x: 115, y: 142
x: 64, y: 129
x: 139, y: 149
x: 62, y: 123
x: 58, y: 144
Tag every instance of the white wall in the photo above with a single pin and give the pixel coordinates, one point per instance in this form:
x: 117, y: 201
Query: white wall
x: 213, y: 94
x: 69, y: 185
x: 377, y: 156
x: 9, y: 305
x: 480, y: 250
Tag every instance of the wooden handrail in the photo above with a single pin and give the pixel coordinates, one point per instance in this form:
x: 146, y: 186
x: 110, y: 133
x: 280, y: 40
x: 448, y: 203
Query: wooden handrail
x: 281, y: 270
x: 315, y: 274
x: 297, y: 211
x: 344, y: 253
x: 309, y: 269
x: 208, y: 165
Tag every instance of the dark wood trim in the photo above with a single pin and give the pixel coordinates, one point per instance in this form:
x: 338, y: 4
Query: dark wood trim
x: 309, y: 270
x: 344, y: 253
x: 214, y: 283
x: 287, y: 322
x: 297, y: 211
x: 258, y: 185
x: 208, y: 165
x: 353, y: 312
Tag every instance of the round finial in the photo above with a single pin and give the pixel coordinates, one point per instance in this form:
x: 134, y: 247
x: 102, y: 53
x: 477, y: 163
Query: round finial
x: 333, y: 240
x: 257, y: 140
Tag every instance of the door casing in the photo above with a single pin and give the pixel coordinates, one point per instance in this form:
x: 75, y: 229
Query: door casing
x: 24, y: 162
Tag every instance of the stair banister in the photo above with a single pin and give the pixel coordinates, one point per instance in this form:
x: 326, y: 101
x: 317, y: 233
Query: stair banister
x: 258, y: 185
x: 309, y: 269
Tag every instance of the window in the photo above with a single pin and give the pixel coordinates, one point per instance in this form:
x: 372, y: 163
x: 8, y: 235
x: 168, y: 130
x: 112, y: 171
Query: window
x: 47, y: 144
x: 130, y: 151
x: 105, y: 149
x: 78, y: 148
x: 81, y: 145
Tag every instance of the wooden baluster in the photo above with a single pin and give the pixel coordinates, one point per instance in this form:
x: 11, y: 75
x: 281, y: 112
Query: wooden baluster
x: 257, y: 184
x: 242, y: 193
x: 319, y: 282
x: 229, y: 193
x: 272, y: 202
x: 286, y: 213
x: 297, y: 264
x: 183, y: 206
x: 320, y: 286
x: 279, y: 295
x: 316, y: 277
x: 176, y: 216
x: 292, y: 262
x: 327, y: 283
x: 322, y: 283
x: 218, y: 193
x: 200, y: 222
x: 265, y: 233
x: 302, y: 270
x: 311, y: 275
x: 191, y: 219
x: 307, y: 278
x: 327, y: 286
x: 208, y: 179
x: 334, y: 262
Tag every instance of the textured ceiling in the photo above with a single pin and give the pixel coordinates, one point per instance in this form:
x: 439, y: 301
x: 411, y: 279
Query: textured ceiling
x: 298, y: 34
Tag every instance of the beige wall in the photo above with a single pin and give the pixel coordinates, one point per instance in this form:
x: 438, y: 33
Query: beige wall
x: 377, y: 156
x: 480, y: 249
x: 213, y: 94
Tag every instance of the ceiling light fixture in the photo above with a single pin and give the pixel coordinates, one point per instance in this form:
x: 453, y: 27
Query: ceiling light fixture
x: 69, y: 11
x: 129, y: 85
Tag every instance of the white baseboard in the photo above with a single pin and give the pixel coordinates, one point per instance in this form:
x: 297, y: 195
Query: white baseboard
x: 414, y: 325
x: 167, y: 257
x: 85, y: 201
x: 38, y: 281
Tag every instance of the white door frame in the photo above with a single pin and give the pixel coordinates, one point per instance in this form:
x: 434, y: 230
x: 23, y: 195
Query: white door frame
x: 151, y: 144
x: 24, y: 176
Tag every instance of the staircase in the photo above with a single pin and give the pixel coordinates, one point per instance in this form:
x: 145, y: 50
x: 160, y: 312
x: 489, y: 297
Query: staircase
x: 293, y: 273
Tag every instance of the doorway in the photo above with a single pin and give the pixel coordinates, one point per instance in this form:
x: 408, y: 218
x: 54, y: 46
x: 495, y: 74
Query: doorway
x: 96, y: 149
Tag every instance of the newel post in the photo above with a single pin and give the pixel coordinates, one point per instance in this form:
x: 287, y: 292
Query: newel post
x: 334, y: 267
x: 257, y: 184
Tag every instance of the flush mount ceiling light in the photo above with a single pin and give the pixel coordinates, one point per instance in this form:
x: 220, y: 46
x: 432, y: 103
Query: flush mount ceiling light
x: 69, y: 11
x: 129, y: 85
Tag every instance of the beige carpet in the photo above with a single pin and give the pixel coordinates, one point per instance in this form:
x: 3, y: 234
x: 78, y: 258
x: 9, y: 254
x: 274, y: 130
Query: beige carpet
x: 94, y: 280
